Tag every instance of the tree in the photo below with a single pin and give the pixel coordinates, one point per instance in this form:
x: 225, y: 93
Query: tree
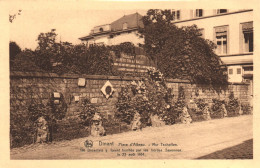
x: 181, y: 52
x: 14, y: 49
x: 63, y: 57
x: 12, y: 17
x: 25, y: 61
x: 47, y: 50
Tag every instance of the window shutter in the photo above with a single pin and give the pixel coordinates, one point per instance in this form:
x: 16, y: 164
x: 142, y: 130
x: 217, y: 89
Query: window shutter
x: 247, y: 26
x: 221, y: 31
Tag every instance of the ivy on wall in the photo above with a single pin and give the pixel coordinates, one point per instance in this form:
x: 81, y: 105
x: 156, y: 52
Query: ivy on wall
x: 180, y: 52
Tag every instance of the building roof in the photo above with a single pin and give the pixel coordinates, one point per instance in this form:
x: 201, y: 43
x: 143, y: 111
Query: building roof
x: 133, y: 22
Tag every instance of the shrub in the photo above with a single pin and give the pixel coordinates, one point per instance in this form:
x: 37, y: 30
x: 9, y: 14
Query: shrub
x: 113, y: 126
x: 217, y: 110
x: 147, y: 97
x: 124, y: 112
x: 246, y: 108
x: 69, y: 128
x: 22, y: 125
x: 125, y: 47
x: 232, y: 105
x: 87, y: 112
x: 201, y: 104
x: 21, y: 129
x: 196, y: 115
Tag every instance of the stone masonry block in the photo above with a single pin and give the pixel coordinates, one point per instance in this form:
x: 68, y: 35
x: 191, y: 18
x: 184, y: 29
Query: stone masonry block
x: 94, y: 100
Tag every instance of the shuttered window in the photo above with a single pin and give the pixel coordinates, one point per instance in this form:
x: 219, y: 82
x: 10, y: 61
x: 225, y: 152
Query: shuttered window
x: 248, y: 38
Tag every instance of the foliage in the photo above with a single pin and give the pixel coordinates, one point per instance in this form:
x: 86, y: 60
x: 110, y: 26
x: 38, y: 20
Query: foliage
x: 196, y: 115
x: 246, y: 108
x: 201, y: 104
x: 180, y: 52
x: 217, y: 110
x: 21, y: 129
x: 146, y: 97
x: 46, y: 50
x: 58, y: 110
x: 125, y: 47
x: 98, y: 61
x: 63, y: 57
x: 37, y: 110
x: 114, y: 126
x: 23, y: 126
x: 232, y: 105
x: 51, y: 112
x: 69, y: 128
x: 25, y: 61
x: 14, y: 49
x: 12, y: 17
x: 87, y: 112
x: 124, y: 112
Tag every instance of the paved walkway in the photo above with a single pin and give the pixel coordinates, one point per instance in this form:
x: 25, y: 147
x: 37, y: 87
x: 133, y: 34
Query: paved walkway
x: 214, y: 139
x: 241, y: 151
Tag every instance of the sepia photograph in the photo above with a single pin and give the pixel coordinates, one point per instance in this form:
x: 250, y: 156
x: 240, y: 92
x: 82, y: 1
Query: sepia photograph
x: 148, y: 83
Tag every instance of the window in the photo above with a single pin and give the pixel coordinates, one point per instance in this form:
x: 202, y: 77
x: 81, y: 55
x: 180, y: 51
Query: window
x: 238, y: 70
x: 248, y: 38
x: 221, y: 39
x: 101, y: 29
x: 124, y: 26
x: 230, y: 71
x: 176, y: 14
x: 221, y: 11
x: 249, y: 68
x: 199, y: 13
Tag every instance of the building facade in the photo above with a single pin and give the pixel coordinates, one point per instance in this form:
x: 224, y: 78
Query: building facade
x: 125, y: 29
x: 231, y: 31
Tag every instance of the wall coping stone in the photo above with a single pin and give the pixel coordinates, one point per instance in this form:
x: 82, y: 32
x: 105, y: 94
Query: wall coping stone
x: 14, y: 74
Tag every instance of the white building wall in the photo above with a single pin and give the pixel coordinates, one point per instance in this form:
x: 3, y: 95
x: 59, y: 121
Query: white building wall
x: 234, y: 35
x: 117, y: 39
x: 99, y: 39
x: 232, y: 20
x: 235, y: 76
x: 126, y: 37
x: 106, y: 27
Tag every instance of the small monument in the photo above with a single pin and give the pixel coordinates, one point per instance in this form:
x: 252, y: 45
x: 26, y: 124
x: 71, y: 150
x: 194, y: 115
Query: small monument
x: 156, y: 121
x: 136, y: 124
x: 206, y: 113
x: 96, y: 128
x: 240, y: 112
x: 185, y: 116
x: 42, y: 130
x: 224, y: 110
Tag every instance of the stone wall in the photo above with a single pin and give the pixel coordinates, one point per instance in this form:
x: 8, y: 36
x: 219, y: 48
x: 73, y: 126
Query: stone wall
x: 242, y: 91
x: 24, y: 87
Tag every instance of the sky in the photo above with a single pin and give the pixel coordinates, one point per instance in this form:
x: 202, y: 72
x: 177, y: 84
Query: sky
x: 69, y: 24
x: 73, y: 19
